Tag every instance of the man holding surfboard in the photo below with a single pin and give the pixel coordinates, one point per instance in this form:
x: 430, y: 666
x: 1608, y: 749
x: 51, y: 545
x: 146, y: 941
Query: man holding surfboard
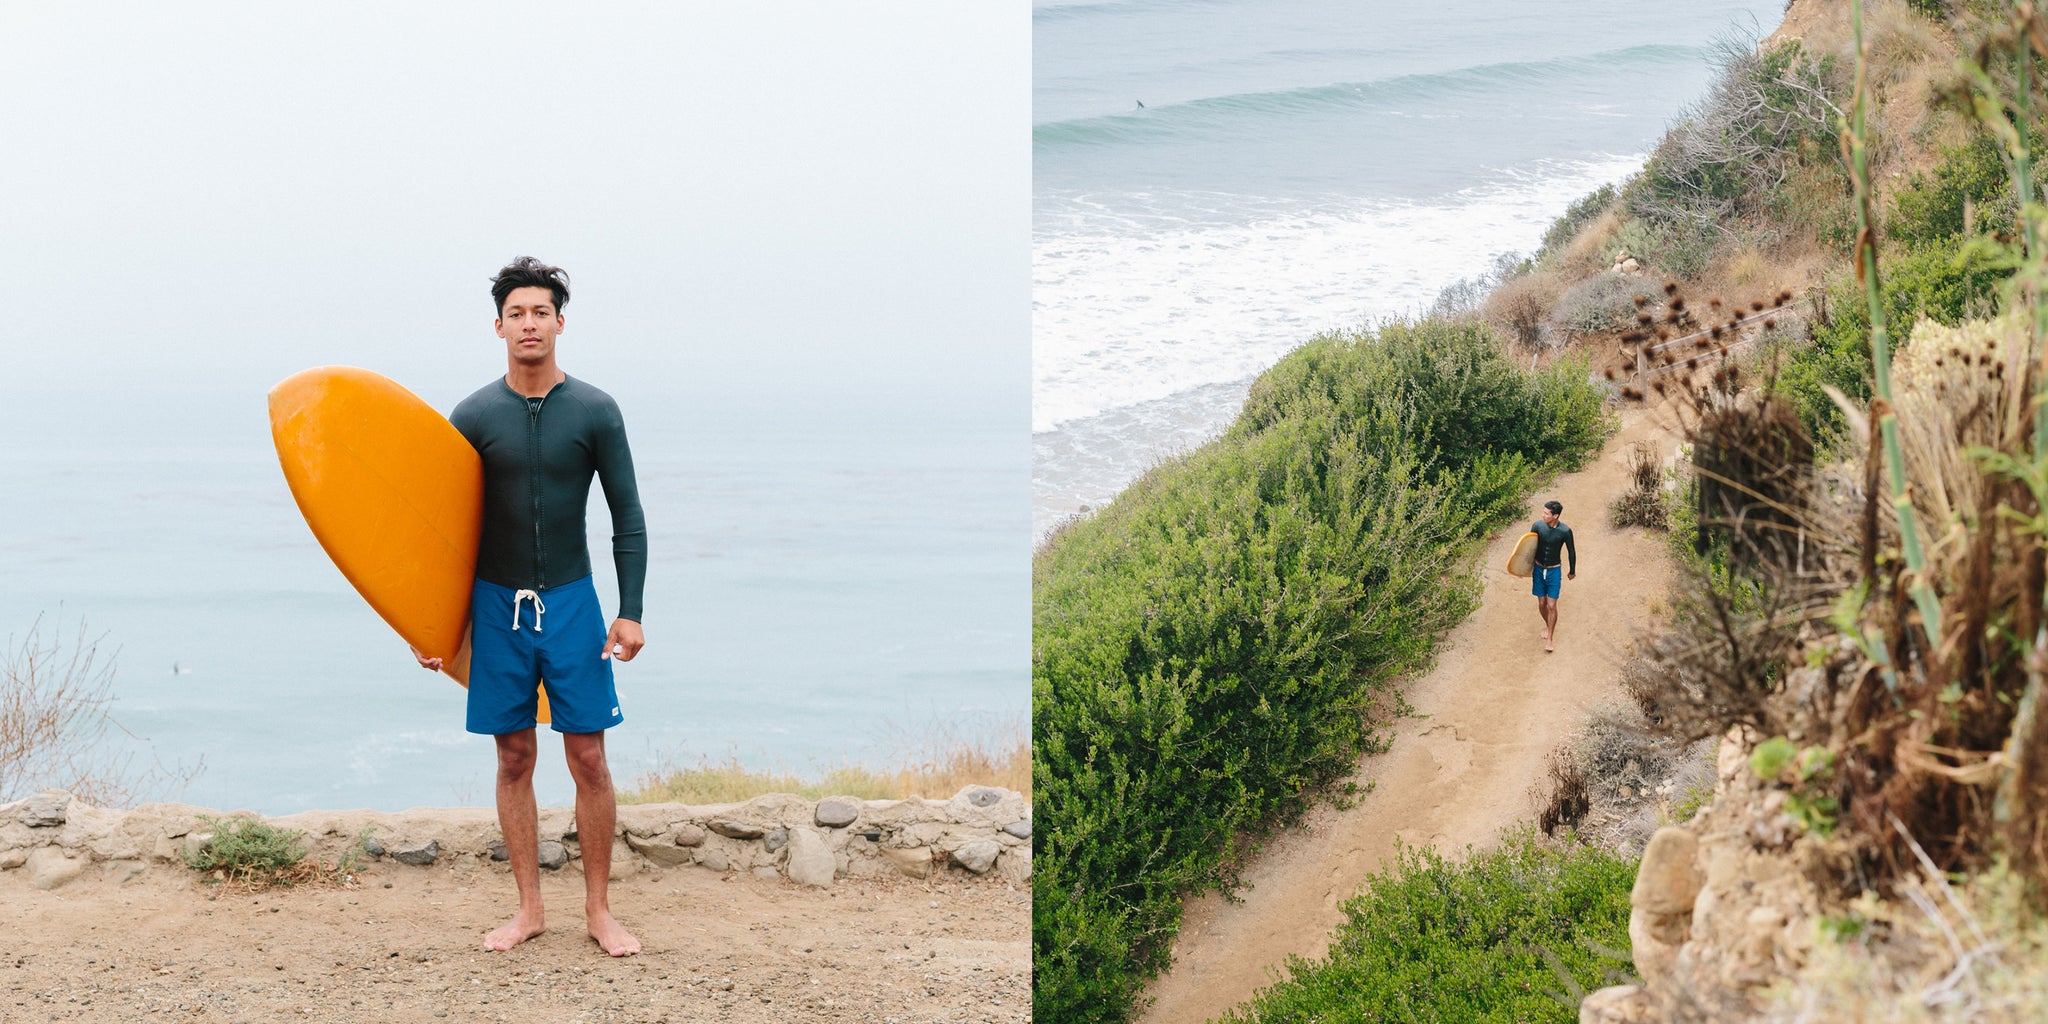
x: 534, y: 615
x: 1549, y: 573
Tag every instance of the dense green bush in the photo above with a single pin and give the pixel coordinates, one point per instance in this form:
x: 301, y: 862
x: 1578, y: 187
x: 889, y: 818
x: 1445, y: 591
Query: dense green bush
x: 1604, y: 302
x: 1512, y: 935
x: 1930, y: 206
x: 1940, y: 280
x: 1208, y: 648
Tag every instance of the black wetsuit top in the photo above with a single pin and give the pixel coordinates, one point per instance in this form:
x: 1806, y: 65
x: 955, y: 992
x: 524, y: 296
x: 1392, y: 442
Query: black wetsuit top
x: 1549, y: 539
x: 539, y: 455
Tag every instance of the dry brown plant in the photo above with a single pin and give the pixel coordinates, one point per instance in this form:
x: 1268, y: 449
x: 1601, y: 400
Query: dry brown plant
x: 56, y: 729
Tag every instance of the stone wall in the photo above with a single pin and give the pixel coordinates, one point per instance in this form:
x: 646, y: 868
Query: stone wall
x: 981, y: 831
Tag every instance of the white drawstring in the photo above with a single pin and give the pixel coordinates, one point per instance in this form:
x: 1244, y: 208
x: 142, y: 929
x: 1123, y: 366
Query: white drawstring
x: 537, y: 609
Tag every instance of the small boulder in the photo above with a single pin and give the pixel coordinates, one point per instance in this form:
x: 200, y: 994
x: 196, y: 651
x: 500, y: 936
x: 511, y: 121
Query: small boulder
x: 10, y: 859
x: 915, y: 861
x: 553, y: 855
x: 714, y: 858
x: 376, y: 849
x: 733, y: 828
x: 689, y: 834
x: 766, y: 873
x: 497, y: 852
x: 49, y: 868
x: 776, y: 840
x: 659, y: 850
x: 418, y: 854
x: 977, y: 856
x: 1020, y: 828
x: 1668, y: 880
x: 982, y: 796
x: 810, y: 859
x: 46, y: 810
x: 836, y: 812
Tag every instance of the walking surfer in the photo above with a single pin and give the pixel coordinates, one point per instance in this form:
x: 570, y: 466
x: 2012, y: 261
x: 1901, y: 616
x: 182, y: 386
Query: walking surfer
x: 534, y: 615
x: 1550, y: 574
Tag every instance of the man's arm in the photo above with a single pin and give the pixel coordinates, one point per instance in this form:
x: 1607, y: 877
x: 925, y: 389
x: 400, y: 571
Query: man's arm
x: 629, y: 536
x: 1572, y: 546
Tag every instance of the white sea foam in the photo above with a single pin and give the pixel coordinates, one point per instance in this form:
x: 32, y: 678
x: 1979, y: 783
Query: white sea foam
x: 1131, y: 306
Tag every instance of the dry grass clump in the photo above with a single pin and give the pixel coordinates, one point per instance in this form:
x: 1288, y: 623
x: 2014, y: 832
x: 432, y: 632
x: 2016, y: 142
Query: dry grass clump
x: 942, y: 769
x: 56, y: 729
x: 1642, y: 504
x: 1606, y: 303
x: 1569, y: 799
x: 1521, y: 304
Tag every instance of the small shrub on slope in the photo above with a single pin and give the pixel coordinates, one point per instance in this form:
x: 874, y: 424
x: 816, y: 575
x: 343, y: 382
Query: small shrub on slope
x: 1515, y: 934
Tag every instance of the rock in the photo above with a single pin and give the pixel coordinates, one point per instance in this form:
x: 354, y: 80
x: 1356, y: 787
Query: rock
x: 915, y: 861
x: 689, y: 834
x: 776, y: 840
x: 195, y: 846
x: 10, y: 859
x: 1015, y: 864
x: 121, y: 872
x: 733, y: 828
x: 1669, y: 878
x: 1620, y: 1004
x: 1021, y: 828
x: 45, y: 810
x: 659, y: 850
x: 1653, y: 940
x: 977, y: 856
x: 836, y: 812
x: 714, y: 858
x: 49, y: 868
x: 497, y: 852
x: 168, y: 847
x: 983, y: 796
x: 376, y: 849
x: 766, y: 873
x: 553, y: 855
x: 810, y: 859
x: 418, y: 854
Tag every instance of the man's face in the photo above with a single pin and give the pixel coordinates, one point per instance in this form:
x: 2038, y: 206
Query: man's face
x: 529, y: 323
x: 1549, y: 518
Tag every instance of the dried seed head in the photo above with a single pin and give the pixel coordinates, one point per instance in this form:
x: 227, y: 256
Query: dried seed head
x: 1670, y: 287
x: 1645, y: 319
x: 1716, y: 332
x: 1783, y: 297
x: 1631, y: 394
x: 1657, y: 385
x: 1677, y: 304
x: 1770, y: 323
x: 1757, y: 306
x: 1642, y: 300
x: 1610, y: 373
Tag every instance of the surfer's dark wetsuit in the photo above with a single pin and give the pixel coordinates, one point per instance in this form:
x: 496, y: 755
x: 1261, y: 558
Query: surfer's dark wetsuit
x: 1549, y: 539
x: 539, y: 455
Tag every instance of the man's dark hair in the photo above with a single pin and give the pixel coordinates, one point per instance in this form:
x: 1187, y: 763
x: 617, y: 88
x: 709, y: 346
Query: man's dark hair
x: 527, y: 272
x: 1555, y: 506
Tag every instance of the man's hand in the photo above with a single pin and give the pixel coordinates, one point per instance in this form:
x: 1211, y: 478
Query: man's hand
x: 624, y: 641
x: 1571, y: 575
x: 430, y: 664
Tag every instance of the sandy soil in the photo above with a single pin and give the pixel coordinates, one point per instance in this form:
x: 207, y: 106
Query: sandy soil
x: 405, y: 945
x: 1462, y: 767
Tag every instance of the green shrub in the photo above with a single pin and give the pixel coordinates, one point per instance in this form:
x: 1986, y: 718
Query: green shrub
x: 1930, y: 207
x: 1676, y: 247
x: 1605, y: 302
x: 1942, y: 280
x: 1516, y: 934
x: 1208, y: 648
x: 246, y: 850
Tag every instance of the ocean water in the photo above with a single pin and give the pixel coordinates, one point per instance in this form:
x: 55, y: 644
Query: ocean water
x: 1297, y: 167
x: 826, y: 584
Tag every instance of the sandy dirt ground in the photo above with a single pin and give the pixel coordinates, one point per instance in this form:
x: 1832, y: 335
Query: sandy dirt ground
x: 404, y: 944
x: 1463, y: 766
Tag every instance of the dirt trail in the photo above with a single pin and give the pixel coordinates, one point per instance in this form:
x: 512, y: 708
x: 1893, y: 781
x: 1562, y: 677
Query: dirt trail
x: 1486, y: 719
x: 404, y: 945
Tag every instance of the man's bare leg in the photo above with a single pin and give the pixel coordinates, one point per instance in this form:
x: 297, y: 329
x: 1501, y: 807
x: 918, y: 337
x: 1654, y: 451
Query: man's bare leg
x: 596, y: 814
x: 519, y: 820
x: 1549, y: 609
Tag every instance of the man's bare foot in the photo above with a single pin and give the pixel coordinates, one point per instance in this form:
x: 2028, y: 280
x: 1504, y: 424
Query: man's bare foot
x: 612, y: 935
x: 1546, y: 645
x: 514, y: 932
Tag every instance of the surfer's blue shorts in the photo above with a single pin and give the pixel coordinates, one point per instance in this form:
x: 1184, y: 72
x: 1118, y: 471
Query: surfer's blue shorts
x: 1547, y: 580
x: 520, y: 640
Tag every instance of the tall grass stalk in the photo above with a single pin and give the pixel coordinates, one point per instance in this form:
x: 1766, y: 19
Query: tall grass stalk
x: 1856, y: 139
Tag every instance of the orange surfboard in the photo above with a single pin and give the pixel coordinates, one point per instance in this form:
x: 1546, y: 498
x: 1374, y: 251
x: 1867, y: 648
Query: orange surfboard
x: 394, y: 493
x: 1523, y: 561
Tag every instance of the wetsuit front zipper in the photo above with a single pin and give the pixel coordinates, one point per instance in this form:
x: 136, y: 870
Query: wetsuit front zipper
x: 540, y: 556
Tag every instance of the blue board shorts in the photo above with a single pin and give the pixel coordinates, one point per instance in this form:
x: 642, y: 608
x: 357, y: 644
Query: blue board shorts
x: 1546, y: 581
x: 520, y: 639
